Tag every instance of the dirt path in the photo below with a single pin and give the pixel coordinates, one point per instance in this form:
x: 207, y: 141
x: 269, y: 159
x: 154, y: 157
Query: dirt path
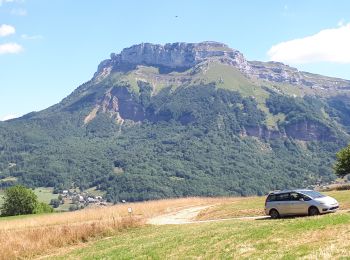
x: 179, y: 217
x: 188, y: 215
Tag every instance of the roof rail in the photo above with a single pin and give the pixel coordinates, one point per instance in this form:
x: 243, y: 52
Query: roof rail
x: 274, y: 191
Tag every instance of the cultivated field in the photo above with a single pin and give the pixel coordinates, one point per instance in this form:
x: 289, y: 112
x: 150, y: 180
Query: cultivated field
x: 110, y: 233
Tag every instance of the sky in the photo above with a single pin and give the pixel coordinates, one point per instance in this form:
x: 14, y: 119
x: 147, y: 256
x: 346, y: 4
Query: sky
x: 49, y: 48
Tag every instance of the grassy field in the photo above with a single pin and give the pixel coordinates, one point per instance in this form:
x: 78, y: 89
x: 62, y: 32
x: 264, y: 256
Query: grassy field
x: 322, y: 237
x: 45, y: 194
x: 31, y: 235
x: 254, y: 206
x: 110, y: 233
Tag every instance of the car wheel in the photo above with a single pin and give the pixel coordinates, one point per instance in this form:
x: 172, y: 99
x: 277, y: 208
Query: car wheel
x: 274, y: 214
x: 313, y: 211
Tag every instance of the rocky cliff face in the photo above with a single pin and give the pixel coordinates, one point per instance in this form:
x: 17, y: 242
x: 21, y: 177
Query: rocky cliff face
x: 193, y: 61
x: 305, y: 130
x: 183, y: 56
x: 279, y: 72
x: 172, y: 57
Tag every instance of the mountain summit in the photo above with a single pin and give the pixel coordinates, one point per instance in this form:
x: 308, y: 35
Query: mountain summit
x: 173, y: 56
x: 182, y: 119
x: 182, y: 56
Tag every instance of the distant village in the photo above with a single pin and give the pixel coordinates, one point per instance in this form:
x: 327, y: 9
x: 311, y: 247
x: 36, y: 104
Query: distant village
x: 78, y: 200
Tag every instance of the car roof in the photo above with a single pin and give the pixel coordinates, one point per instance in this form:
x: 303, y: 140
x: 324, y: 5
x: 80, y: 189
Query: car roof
x: 287, y: 191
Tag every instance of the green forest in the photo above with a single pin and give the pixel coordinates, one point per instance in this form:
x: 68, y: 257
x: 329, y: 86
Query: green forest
x: 191, y: 141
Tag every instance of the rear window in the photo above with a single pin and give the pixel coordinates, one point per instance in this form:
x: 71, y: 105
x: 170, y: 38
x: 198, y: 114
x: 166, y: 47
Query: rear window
x: 271, y: 197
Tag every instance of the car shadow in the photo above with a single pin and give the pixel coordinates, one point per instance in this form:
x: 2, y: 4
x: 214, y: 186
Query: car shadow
x: 284, y: 217
x: 295, y: 216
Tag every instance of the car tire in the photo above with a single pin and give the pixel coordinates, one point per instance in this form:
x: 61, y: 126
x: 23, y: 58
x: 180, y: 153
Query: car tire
x: 274, y: 214
x: 313, y: 211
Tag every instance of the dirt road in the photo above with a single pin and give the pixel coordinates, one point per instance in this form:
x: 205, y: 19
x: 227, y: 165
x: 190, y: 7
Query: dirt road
x: 188, y: 215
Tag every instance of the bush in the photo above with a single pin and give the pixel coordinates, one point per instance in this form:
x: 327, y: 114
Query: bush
x: 73, y: 207
x: 19, y: 200
x: 55, y: 203
x: 43, y: 208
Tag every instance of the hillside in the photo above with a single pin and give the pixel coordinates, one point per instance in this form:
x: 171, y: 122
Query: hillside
x: 181, y: 120
x: 110, y: 233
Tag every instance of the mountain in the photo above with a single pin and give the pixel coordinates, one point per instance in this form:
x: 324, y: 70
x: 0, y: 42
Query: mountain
x: 182, y: 119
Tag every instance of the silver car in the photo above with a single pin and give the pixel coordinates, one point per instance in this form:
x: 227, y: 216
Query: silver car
x: 299, y: 202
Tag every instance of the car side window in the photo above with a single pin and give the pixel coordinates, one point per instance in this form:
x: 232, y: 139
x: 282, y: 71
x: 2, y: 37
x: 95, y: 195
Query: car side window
x: 271, y: 198
x: 282, y: 197
x: 295, y: 196
x: 306, y: 198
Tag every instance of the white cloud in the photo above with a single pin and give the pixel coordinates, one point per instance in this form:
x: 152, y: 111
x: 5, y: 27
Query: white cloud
x: 11, y: 47
x: 31, y: 37
x: 6, y: 30
x: 8, y: 117
x: 330, y: 45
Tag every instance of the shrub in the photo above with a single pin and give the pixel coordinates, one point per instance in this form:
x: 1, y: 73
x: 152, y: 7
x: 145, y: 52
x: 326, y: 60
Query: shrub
x: 43, y: 208
x: 19, y: 200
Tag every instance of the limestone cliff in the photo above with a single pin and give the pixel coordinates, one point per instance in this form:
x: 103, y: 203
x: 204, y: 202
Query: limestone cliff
x: 183, y: 56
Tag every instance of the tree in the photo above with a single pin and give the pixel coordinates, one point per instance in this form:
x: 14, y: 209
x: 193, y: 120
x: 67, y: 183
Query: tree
x: 19, y: 200
x: 55, y: 203
x: 342, y: 165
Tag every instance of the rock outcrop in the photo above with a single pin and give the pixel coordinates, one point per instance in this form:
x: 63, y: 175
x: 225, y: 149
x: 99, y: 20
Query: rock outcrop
x: 193, y: 59
x: 120, y: 104
x: 183, y: 56
x: 172, y: 57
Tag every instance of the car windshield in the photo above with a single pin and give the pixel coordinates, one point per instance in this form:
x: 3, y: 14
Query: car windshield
x: 313, y: 194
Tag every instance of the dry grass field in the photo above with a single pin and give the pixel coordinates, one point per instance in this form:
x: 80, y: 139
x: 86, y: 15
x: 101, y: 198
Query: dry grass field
x: 321, y: 237
x: 111, y: 233
x: 30, y: 235
x: 254, y: 206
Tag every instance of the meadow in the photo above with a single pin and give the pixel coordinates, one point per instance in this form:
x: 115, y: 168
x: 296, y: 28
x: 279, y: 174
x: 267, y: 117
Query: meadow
x: 113, y: 233
x: 321, y: 237
x: 30, y: 235
x: 254, y: 206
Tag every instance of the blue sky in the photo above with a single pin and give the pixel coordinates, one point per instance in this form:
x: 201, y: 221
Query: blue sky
x: 48, y: 48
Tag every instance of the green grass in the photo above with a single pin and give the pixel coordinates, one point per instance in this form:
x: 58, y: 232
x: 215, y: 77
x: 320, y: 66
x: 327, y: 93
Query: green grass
x: 254, y: 206
x: 93, y: 191
x: 228, y: 77
x: 63, y: 207
x: 29, y: 216
x: 258, y: 239
x: 45, y: 194
x: 235, y: 207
